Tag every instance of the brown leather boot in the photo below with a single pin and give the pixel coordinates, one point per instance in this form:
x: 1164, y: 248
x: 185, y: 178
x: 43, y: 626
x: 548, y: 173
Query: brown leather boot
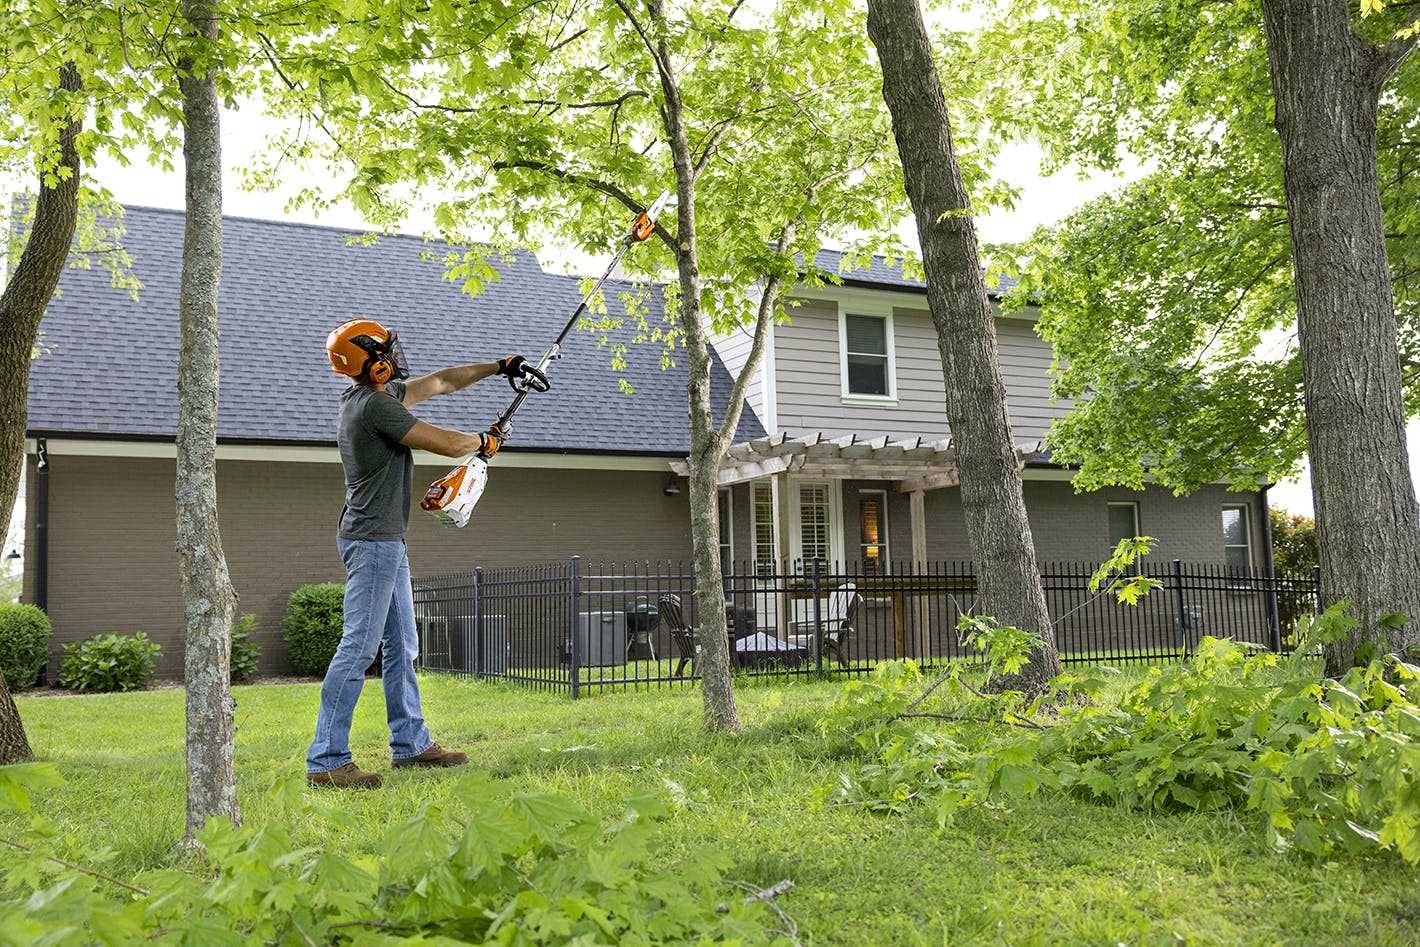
x: 436, y: 755
x: 348, y: 776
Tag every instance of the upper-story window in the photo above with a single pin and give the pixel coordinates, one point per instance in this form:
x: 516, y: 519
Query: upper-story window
x: 866, y: 341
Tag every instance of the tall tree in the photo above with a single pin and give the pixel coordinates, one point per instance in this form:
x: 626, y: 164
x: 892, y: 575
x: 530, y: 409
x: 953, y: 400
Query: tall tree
x: 1242, y: 303
x: 1327, y: 82
x: 992, y: 499
x: 209, y: 601
x: 22, y: 306
x: 558, y: 121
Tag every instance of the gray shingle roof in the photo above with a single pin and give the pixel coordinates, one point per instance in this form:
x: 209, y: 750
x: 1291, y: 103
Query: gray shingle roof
x: 111, y: 368
x: 880, y: 274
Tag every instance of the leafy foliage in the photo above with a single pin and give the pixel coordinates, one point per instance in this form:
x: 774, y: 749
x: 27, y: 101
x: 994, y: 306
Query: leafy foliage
x: 111, y: 662
x: 1331, y: 765
x: 1294, y: 548
x: 245, y: 652
x: 497, y: 868
x: 312, y: 626
x: 544, y: 126
x: 1170, y: 301
x: 24, y: 643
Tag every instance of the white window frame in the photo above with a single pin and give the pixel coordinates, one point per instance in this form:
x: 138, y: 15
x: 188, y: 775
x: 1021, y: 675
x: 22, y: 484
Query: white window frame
x: 835, y: 519
x: 1134, y: 504
x: 877, y: 311
x: 1247, y: 532
x: 754, y: 524
x: 730, y: 511
x: 886, y: 542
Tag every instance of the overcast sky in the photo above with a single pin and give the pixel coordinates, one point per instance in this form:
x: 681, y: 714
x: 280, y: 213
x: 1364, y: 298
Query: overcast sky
x: 1043, y: 201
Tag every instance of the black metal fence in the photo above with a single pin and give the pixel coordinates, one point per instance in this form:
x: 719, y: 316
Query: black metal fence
x: 574, y: 626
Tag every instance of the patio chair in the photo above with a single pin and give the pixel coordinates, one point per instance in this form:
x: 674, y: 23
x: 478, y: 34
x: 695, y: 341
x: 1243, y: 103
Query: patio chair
x: 682, y: 635
x: 838, y: 620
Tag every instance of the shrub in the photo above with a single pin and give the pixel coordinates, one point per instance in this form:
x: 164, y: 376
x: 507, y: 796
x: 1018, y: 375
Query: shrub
x: 484, y: 867
x: 111, y: 662
x: 245, y: 652
x: 312, y: 626
x: 24, y: 642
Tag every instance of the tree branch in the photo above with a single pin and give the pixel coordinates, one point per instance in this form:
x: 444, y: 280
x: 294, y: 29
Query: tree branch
x: 1392, y: 54
x: 721, y: 128
x: 969, y: 718
x: 595, y: 184
x: 764, y: 319
x: 72, y: 866
x: 602, y: 103
x: 663, y: 66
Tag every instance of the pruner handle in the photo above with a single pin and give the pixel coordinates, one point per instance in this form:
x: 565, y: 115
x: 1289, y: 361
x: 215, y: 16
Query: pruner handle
x: 532, y: 379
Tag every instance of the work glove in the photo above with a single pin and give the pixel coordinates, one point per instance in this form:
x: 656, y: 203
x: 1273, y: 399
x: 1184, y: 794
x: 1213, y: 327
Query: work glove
x: 511, y: 366
x: 492, y: 442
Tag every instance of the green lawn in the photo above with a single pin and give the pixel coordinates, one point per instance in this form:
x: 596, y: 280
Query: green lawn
x: 1043, y: 872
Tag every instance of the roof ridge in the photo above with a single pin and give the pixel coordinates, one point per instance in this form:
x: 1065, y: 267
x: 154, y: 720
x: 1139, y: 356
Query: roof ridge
x: 399, y: 235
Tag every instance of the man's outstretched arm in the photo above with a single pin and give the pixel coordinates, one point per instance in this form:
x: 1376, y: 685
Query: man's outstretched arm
x: 446, y: 381
x: 439, y: 440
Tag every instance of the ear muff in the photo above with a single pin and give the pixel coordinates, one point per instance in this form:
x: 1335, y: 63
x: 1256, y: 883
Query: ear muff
x: 380, y: 370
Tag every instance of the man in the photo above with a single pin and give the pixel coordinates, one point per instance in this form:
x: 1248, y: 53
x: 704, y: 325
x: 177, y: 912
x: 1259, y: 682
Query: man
x: 376, y: 436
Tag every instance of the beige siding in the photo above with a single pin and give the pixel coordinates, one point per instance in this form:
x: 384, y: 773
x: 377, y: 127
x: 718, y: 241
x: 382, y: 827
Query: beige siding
x: 113, y: 568
x: 733, y: 350
x: 809, y: 391
x: 1074, y: 527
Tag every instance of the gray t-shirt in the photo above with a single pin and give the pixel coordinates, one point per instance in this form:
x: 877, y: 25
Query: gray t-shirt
x: 379, y: 470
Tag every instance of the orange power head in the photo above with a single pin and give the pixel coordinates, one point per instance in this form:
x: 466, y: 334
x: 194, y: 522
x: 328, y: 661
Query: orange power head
x: 453, y: 496
x: 645, y: 223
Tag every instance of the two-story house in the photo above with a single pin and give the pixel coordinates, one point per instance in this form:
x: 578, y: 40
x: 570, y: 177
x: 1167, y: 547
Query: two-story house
x: 856, y: 463
x: 841, y: 454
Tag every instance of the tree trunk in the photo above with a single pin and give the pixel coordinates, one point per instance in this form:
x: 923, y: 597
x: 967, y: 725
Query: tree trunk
x: 14, y: 746
x: 1326, y: 83
x: 713, y: 662
x: 208, y: 598
x: 22, y: 306
x: 1008, y: 579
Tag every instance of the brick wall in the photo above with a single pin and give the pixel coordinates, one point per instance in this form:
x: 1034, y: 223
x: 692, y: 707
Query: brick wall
x: 112, y: 564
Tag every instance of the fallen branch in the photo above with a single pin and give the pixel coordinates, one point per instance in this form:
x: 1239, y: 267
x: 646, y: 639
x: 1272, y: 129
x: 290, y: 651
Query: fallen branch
x: 76, y: 867
x: 767, y: 896
x: 967, y: 718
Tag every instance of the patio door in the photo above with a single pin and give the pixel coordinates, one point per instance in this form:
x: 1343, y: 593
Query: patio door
x: 763, y: 533
x: 817, y: 517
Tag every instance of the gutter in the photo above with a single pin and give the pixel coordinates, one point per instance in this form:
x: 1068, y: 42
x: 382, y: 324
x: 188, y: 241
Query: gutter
x: 119, y: 437
x: 1273, y: 621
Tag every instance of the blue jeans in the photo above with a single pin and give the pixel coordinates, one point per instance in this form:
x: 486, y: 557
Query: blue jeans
x: 379, y: 610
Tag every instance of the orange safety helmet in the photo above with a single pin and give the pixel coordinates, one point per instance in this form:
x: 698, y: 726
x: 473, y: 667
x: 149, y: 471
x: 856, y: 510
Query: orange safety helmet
x: 366, y: 350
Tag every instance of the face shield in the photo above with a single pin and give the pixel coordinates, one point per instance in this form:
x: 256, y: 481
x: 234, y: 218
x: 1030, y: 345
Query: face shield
x: 395, y: 353
x: 390, y: 350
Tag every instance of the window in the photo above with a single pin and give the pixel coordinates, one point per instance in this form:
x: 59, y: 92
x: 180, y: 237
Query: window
x: 1123, y: 523
x: 1237, y: 537
x: 815, y: 517
x: 762, y: 506
x: 727, y: 528
x: 872, y: 531
x: 867, y: 362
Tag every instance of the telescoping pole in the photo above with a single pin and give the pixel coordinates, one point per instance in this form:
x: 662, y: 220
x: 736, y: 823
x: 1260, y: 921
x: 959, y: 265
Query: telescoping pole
x: 641, y: 228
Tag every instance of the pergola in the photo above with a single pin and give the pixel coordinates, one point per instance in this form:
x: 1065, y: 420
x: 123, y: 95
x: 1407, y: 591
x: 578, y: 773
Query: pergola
x: 914, y: 464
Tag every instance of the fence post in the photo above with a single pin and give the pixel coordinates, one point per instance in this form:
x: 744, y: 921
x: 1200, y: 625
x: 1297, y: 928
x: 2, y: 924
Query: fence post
x: 480, y: 661
x: 818, y: 618
x: 574, y: 595
x: 1183, y: 628
x: 1274, y: 618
